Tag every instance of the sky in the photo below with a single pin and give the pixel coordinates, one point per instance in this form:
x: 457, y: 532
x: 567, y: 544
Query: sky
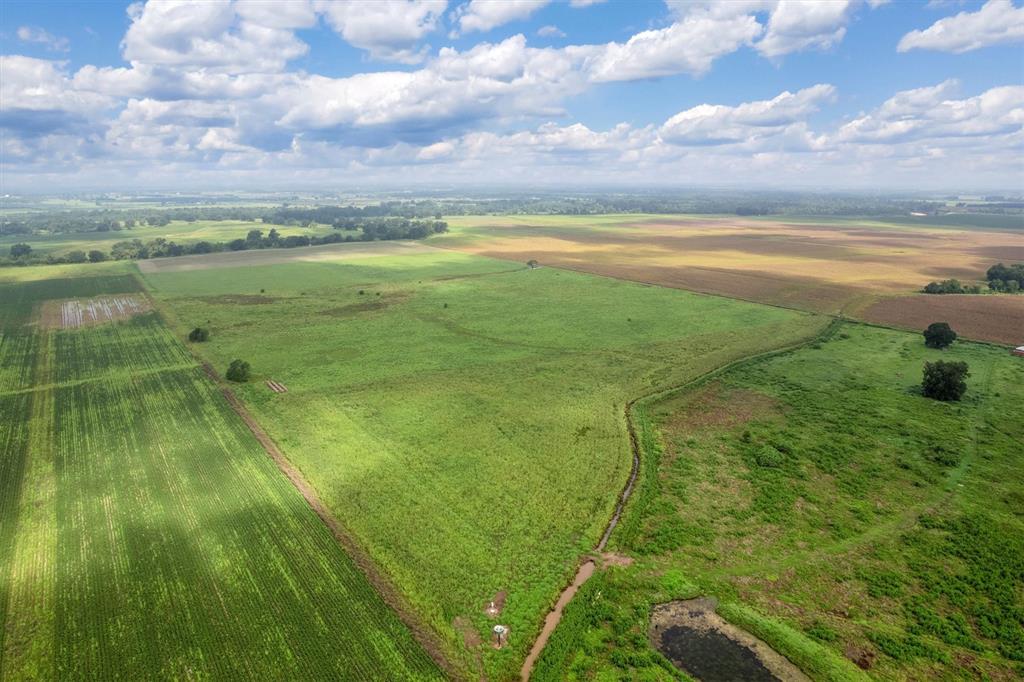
x: 288, y: 94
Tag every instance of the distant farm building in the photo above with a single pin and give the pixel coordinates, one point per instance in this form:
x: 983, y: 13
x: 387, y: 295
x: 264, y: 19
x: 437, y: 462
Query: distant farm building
x: 1019, y: 350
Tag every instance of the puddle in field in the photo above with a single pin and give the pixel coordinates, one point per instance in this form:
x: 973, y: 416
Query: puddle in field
x: 699, y: 641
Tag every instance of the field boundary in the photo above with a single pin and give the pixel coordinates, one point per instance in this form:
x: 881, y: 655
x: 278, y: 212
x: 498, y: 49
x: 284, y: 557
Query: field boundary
x: 380, y: 582
x: 421, y: 632
x: 627, y: 491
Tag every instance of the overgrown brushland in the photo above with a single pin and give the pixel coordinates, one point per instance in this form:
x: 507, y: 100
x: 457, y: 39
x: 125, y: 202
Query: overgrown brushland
x: 144, y: 534
x: 834, y: 511
x: 461, y: 416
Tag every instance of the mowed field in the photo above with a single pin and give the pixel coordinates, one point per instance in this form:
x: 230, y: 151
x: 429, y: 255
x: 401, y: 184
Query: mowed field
x: 144, y: 534
x: 826, y: 265
x: 856, y: 526
x: 462, y: 417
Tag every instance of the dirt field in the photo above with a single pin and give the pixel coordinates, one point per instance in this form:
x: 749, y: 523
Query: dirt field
x: 330, y: 252
x: 831, y: 267
x: 999, y: 319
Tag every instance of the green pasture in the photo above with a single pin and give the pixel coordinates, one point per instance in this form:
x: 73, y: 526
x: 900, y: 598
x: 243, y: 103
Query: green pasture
x: 144, y: 533
x: 178, y: 231
x: 834, y: 512
x: 462, y: 416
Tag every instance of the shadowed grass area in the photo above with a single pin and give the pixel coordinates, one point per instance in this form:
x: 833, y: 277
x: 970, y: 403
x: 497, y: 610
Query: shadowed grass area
x: 144, y: 534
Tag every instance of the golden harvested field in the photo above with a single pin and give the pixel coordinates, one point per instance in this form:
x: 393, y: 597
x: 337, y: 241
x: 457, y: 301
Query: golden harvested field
x: 831, y: 266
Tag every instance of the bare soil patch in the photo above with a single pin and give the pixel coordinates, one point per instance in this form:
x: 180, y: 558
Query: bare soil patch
x: 999, y: 319
x: 696, y: 639
x: 496, y: 605
x: 237, y: 259
x: 715, y: 407
x: 609, y: 559
x: 87, y: 312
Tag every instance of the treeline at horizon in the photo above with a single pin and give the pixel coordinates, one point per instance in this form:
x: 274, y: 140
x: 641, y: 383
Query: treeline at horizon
x: 353, y: 216
x: 136, y: 249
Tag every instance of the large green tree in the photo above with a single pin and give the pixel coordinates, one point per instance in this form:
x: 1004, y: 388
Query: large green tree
x: 939, y: 335
x: 945, y: 380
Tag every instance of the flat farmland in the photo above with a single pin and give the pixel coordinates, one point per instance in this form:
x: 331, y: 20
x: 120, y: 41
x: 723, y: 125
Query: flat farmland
x: 991, y: 318
x: 145, y: 534
x: 462, y: 417
x: 829, y: 265
x: 862, y: 530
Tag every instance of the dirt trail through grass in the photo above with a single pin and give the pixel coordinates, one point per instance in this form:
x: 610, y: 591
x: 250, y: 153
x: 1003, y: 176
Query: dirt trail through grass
x: 430, y: 643
x: 587, y: 568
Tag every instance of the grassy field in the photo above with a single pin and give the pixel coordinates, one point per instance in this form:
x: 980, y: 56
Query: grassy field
x: 818, y: 264
x: 461, y: 416
x: 177, y: 231
x: 834, y: 511
x: 144, y: 534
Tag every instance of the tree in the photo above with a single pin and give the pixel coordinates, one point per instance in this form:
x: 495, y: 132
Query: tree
x: 939, y: 335
x: 945, y: 380
x: 238, y: 245
x: 199, y: 334
x: 20, y: 250
x: 76, y: 257
x: 238, y: 371
x: 273, y: 236
x: 96, y: 256
x: 254, y: 237
x: 532, y: 264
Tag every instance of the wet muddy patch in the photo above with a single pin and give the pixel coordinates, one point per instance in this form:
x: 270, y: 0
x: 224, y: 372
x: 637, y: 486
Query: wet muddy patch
x: 699, y: 641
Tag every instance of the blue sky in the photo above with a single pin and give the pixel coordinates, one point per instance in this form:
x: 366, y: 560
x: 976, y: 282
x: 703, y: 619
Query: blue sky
x: 829, y: 94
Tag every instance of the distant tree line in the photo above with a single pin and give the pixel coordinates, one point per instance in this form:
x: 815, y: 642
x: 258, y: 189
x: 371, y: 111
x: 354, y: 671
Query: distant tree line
x: 951, y: 286
x: 160, y: 247
x: 1001, y: 278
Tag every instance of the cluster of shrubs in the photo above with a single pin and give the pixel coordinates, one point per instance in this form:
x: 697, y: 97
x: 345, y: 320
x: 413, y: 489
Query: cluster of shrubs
x: 1006, y: 278
x: 951, y: 286
x: 1001, y: 278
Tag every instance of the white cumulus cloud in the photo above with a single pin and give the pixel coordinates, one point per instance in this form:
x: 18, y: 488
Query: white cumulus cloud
x: 998, y: 22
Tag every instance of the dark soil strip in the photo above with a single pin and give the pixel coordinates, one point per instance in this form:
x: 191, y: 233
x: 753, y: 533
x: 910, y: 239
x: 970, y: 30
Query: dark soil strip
x: 424, y: 636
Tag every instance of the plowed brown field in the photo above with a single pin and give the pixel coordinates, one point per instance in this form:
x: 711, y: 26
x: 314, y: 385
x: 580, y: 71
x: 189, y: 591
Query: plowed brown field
x: 835, y: 266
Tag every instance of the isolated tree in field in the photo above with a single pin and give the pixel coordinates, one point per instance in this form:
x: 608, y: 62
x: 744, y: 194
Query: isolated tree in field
x: 939, y: 335
x: 945, y: 380
x: 20, y: 250
x: 199, y: 334
x: 96, y: 256
x: 238, y: 371
x: 532, y: 264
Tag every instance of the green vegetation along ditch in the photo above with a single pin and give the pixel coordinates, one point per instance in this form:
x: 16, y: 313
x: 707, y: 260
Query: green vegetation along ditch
x: 461, y: 417
x: 840, y: 516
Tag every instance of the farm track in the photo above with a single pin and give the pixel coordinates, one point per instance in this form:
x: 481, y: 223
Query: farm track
x: 380, y: 582
x: 587, y: 567
x: 112, y: 376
